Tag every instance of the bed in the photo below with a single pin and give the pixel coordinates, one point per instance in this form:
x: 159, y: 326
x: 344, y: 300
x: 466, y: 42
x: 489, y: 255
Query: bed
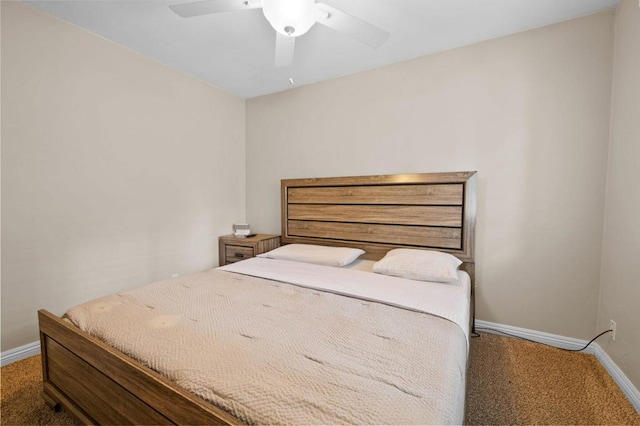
x: 98, y: 383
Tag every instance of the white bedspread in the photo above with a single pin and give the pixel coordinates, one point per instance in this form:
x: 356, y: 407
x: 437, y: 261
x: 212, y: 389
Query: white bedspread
x: 275, y: 353
x: 450, y: 300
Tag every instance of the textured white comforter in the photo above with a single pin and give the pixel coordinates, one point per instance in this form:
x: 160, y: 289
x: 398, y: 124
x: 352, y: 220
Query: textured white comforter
x: 271, y: 352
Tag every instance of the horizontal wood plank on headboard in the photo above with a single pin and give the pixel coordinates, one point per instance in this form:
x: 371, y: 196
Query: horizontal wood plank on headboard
x: 379, y: 213
x: 403, y: 215
x: 433, y: 194
x: 419, y: 236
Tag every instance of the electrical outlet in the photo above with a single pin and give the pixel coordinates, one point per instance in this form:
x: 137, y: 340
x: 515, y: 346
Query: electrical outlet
x: 612, y: 326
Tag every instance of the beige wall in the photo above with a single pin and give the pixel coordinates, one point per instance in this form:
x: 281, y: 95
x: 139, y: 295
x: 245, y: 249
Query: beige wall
x: 620, y: 286
x: 116, y: 170
x: 529, y: 112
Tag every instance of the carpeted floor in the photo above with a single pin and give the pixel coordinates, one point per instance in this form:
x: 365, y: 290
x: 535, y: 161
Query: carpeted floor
x: 517, y: 382
x: 510, y: 382
x: 22, y: 403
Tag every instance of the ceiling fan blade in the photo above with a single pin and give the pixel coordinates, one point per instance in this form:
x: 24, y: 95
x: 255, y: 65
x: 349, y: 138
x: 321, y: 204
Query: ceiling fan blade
x: 349, y: 25
x: 206, y: 7
x: 284, y: 50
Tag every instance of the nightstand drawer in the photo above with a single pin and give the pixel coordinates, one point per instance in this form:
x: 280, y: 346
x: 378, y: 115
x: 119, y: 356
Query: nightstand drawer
x: 236, y: 253
x: 232, y: 249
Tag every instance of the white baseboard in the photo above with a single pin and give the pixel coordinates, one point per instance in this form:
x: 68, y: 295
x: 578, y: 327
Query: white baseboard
x: 614, y: 371
x: 16, y: 354
x: 618, y: 376
x: 536, y: 336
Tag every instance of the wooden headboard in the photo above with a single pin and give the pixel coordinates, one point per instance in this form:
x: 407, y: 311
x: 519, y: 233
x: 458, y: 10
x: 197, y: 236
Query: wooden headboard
x: 377, y: 213
x: 434, y: 211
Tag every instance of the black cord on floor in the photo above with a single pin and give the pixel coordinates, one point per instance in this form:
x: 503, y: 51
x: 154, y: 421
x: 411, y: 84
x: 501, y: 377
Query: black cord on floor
x: 533, y: 341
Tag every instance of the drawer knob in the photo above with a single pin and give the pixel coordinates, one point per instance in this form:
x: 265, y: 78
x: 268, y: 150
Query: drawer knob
x: 239, y: 255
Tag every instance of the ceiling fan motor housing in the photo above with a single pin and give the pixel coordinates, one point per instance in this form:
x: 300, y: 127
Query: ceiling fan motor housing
x: 290, y: 17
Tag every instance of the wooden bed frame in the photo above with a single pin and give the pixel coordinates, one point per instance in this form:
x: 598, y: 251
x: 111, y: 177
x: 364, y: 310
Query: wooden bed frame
x: 100, y: 385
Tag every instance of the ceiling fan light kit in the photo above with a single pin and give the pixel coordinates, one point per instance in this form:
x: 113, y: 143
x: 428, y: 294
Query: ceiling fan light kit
x: 290, y: 19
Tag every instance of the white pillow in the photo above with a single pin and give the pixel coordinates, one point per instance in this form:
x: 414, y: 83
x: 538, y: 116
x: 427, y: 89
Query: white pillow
x: 321, y: 255
x: 422, y: 265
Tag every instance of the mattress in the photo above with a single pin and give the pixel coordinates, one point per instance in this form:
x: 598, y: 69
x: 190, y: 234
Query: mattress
x: 273, y: 341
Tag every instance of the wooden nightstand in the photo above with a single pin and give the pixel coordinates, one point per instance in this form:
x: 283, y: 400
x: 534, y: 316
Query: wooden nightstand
x: 233, y: 249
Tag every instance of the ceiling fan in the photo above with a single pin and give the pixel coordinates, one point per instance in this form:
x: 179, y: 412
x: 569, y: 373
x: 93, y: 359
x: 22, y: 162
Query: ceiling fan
x: 291, y: 19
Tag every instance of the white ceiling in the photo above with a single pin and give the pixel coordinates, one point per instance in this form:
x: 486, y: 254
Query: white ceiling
x: 235, y: 50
